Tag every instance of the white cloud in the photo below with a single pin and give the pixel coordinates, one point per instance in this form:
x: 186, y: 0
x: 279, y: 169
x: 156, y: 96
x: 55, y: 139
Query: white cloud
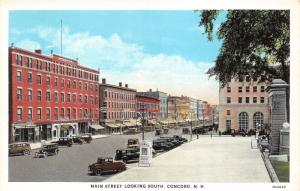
x: 129, y: 63
x: 28, y: 44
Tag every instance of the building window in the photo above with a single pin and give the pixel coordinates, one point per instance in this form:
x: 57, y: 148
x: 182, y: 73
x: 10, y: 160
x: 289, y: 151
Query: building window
x: 19, y: 93
x: 80, y: 113
x: 254, y: 88
x: 254, y: 99
x: 48, y: 96
x: 39, y: 113
x: 247, y: 89
x: 39, y: 79
x: 29, y: 77
x: 62, y: 113
x: 29, y: 114
x: 56, y: 96
x: 85, y: 86
x: 262, y: 99
x: 105, y: 94
x: 80, y: 85
x: 262, y: 88
x: 228, y: 89
x: 39, y: 95
x: 243, y: 121
x: 228, y: 112
x: 96, y: 87
x: 254, y: 79
x: 69, y: 113
x: 247, y: 78
x: 80, y: 98
x: 48, y: 113
x: 55, y: 81
x: 19, y: 76
x: 68, y: 97
x: 86, y: 98
x: 247, y: 99
x: 56, y: 113
x: 69, y: 84
x: 62, y: 84
x: 74, y: 98
x: 62, y: 97
x: 241, y: 79
x: 240, y: 89
x: 19, y: 60
x: 48, y: 80
x: 19, y: 113
x: 240, y: 100
x: 39, y: 65
x: 74, y: 84
x: 29, y: 94
x: 228, y: 99
x: 228, y: 124
x: 74, y: 114
x: 258, y: 120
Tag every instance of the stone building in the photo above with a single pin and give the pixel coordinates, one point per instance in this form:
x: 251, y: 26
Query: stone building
x: 243, y: 104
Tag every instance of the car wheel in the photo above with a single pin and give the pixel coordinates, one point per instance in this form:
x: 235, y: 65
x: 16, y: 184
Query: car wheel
x: 26, y: 152
x: 99, y: 172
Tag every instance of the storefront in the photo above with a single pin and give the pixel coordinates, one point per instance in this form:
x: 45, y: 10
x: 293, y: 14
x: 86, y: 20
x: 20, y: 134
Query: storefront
x: 64, y: 130
x: 96, y: 129
x: 45, y: 132
x: 26, y: 132
x: 83, y: 127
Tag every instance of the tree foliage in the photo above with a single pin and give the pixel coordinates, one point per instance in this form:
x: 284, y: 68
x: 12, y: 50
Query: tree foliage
x: 254, y: 43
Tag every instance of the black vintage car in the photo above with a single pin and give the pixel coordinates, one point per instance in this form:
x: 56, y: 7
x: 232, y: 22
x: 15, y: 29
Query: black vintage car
x: 77, y: 139
x: 183, y: 140
x: 160, y: 145
x: 172, y: 140
x: 87, y: 137
x: 128, y: 154
x: 64, y: 141
x: 49, y: 149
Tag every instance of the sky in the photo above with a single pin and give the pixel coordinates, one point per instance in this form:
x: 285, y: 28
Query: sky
x: 164, y: 50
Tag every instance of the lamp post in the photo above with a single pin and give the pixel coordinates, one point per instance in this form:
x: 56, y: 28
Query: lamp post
x: 143, y: 121
x: 191, y: 127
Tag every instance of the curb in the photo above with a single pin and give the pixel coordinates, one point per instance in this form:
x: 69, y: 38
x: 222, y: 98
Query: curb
x: 269, y: 167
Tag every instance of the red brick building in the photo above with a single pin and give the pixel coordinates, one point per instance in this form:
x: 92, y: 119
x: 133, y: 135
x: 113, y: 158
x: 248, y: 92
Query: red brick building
x: 50, y: 96
x: 118, y: 105
x: 149, y: 105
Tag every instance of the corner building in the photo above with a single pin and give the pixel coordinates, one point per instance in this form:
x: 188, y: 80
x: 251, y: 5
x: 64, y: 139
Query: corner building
x: 243, y: 105
x: 50, y: 96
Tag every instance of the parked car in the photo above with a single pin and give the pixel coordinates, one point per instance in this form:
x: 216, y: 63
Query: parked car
x: 49, y: 149
x: 157, y: 132
x: 184, y: 140
x: 172, y: 140
x: 64, y: 141
x: 106, y: 164
x: 128, y: 155
x: 77, y: 139
x: 133, y: 143
x: 19, y: 148
x: 87, y: 137
x: 160, y: 145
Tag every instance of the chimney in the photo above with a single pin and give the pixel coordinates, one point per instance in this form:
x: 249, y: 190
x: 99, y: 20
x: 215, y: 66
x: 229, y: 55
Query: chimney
x: 103, y: 81
x: 39, y: 51
x: 150, y: 90
x: 126, y: 85
x: 120, y: 84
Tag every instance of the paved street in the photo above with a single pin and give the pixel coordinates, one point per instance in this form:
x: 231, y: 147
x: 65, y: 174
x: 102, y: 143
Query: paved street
x: 71, y: 164
x: 216, y: 159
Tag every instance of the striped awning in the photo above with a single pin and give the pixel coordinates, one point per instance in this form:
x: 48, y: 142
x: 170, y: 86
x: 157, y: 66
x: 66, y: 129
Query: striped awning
x: 96, y: 127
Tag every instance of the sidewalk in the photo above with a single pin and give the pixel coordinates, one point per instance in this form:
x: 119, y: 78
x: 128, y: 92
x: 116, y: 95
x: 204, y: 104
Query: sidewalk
x: 216, y: 159
x: 39, y: 144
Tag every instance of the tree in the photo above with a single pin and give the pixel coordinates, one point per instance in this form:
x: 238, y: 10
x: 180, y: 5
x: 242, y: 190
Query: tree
x: 254, y: 43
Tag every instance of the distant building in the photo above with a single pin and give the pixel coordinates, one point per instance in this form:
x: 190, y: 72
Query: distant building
x: 50, y: 96
x: 163, y: 98
x: 148, y: 105
x: 118, y: 105
x: 243, y: 104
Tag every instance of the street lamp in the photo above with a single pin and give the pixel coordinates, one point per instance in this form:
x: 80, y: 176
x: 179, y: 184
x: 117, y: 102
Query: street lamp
x: 143, y: 121
x: 191, y: 127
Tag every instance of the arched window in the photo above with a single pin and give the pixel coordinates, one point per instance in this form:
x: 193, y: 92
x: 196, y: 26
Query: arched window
x: 258, y: 120
x: 243, y: 121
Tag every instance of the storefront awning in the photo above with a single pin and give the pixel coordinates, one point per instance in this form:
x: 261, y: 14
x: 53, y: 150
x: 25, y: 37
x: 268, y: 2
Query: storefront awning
x: 96, y: 127
x: 24, y: 125
x: 112, y: 125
